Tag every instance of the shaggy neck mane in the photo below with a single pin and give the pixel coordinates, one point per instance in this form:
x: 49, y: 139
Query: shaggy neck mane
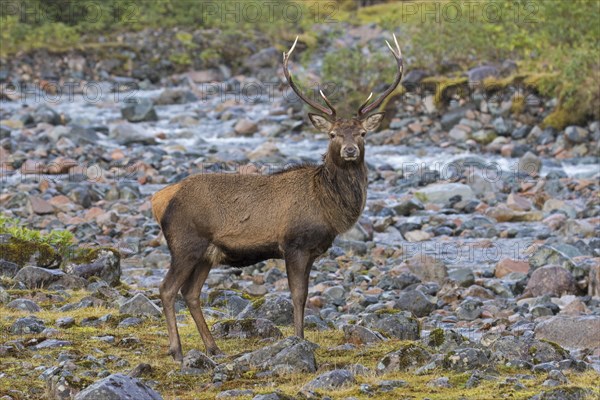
x: 342, y: 191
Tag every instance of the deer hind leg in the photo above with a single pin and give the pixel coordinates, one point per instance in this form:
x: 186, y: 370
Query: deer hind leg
x: 191, y: 293
x: 298, y: 265
x: 183, y: 262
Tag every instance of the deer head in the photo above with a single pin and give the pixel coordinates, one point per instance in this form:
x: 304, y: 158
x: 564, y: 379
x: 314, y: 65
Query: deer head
x: 346, y: 134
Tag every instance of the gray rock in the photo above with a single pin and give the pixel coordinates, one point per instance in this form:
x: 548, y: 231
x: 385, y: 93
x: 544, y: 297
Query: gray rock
x: 195, y: 362
x: 130, y: 321
x: 501, y: 126
x: 8, y: 269
x: 576, y: 134
x: 24, y: 305
x: 335, y: 295
x: 273, y: 396
x: 397, y: 282
x: 462, y: 276
x: 550, y: 280
x: 126, y: 133
x: 106, y: 265
x: 36, y: 277
x: 46, y: 114
x: 521, y: 133
x: 4, y: 296
x: 469, y: 309
x: 467, y: 359
x: 478, y: 74
x: 246, y: 329
x: 331, y: 380
x: 65, y: 322
x: 399, y: 325
x: 357, y: 334
x: 441, y: 382
x: 234, y: 393
x: 264, y: 58
x: 289, y: 355
x: 441, y: 193
x: 530, y: 164
x: 51, y: 344
x: 228, y: 300
x: 138, y: 110
x: 26, y: 325
x: 140, y: 305
x: 175, y: 96
x: 453, y: 116
x: 406, y: 206
x: 557, y: 254
x: 276, y: 308
x: 568, y: 393
x: 118, y: 387
x: 408, y: 357
x: 507, y: 349
x: 574, y: 332
x: 416, y: 302
x: 427, y: 268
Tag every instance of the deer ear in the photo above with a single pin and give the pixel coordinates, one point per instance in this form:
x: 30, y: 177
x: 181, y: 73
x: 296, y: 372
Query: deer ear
x: 321, y: 123
x: 372, y: 121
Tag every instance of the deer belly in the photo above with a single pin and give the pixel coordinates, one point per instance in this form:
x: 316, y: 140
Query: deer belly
x: 244, y: 256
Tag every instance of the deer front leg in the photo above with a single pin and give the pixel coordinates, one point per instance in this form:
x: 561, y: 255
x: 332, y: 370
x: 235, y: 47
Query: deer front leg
x: 298, y: 264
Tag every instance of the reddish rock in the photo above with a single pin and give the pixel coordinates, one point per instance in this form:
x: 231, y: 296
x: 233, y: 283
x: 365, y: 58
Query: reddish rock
x: 518, y: 203
x: 508, y: 265
x: 40, y: 206
x: 552, y: 280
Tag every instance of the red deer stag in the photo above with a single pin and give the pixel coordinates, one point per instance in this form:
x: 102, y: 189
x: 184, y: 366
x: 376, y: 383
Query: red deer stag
x: 239, y: 220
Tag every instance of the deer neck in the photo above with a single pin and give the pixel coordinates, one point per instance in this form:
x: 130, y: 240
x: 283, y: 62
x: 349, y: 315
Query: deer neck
x: 342, y: 191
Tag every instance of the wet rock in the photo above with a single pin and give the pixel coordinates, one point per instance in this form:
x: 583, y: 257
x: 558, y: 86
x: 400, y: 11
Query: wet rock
x: 441, y: 193
x: 140, y: 305
x: 35, y: 277
x: 26, y: 325
x: 290, y: 355
x: 24, y: 305
x: 416, y: 302
x: 398, y: 325
x: 408, y: 357
x: 530, y: 164
x: 126, y: 134
x: 46, y: 114
x: 245, y: 127
x: 138, y: 110
x: 118, y: 387
x: 572, y: 332
x: 103, y: 263
x: 576, y: 134
x: 246, y: 329
x: 550, y: 280
x: 195, y: 362
x: 331, y: 380
x: 467, y: 359
x: 359, y: 335
x: 276, y: 308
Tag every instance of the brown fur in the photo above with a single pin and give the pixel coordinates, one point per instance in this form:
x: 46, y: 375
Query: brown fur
x: 239, y: 220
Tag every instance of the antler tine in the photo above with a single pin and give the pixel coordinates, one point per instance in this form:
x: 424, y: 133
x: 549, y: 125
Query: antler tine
x: 313, y: 104
x: 364, y: 108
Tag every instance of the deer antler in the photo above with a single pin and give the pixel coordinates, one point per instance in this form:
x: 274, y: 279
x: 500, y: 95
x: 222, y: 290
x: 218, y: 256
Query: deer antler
x: 364, y: 108
x: 330, y: 112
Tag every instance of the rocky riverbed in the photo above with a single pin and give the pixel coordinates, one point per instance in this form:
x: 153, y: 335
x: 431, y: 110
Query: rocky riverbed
x: 473, y: 273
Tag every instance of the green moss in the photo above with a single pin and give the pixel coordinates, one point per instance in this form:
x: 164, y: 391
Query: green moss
x: 557, y: 347
x: 561, y: 118
x: 436, y: 337
x: 386, y: 311
x: 258, y: 302
x: 87, y: 255
x: 21, y: 252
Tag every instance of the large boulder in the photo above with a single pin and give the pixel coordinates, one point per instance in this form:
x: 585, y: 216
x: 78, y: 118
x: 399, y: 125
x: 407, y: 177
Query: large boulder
x: 551, y: 280
x: 102, y: 263
x: 290, y: 355
x: 277, y: 308
x: 246, y: 329
x: 118, y: 387
x: 408, y: 357
x: 140, y: 305
x: 574, y: 332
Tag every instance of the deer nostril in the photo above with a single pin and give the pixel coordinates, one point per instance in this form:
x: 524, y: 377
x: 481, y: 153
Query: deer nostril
x: 350, y: 150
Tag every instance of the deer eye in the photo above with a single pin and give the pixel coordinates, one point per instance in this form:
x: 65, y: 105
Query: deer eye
x: 363, y: 133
